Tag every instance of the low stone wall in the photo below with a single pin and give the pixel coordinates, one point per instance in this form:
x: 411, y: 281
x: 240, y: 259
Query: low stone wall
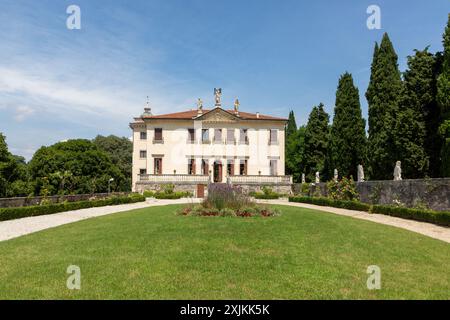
x: 32, y: 201
x: 148, y: 186
x: 192, y: 187
x: 427, y: 193
x: 279, y: 188
x: 414, y: 193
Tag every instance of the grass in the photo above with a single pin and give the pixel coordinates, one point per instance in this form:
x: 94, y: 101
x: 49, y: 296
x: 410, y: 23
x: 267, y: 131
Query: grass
x: 153, y: 254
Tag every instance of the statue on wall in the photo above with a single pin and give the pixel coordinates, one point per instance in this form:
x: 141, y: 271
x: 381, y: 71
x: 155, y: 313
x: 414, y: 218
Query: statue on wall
x: 303, y: 178
x: 217, y: 95
x: 398, y: 171
x: 360, y: 173
x: 317, y: 177
x: 336, y: 175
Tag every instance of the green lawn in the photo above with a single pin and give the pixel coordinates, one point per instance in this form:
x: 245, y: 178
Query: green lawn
x: 154, y: 254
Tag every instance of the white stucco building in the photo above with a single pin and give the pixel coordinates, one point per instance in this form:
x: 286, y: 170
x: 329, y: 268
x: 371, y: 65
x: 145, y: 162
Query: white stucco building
x: 193, y: 148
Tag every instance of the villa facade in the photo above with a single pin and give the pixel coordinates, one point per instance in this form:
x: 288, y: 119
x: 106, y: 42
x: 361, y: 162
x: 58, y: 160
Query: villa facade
x: 193, y: 148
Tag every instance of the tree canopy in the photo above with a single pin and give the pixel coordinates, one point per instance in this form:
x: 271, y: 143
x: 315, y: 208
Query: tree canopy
x: 383, y: 96
x: 74, y: 166
x: 443, y: 99
x: 348, y: 134
x: 316, y: 142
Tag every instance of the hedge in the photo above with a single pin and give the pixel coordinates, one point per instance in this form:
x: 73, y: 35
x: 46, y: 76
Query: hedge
x: 174, y: 195
x: 437, y: 217
x: 266, y: 196
x: 345, y: 204
x: 31, y: 211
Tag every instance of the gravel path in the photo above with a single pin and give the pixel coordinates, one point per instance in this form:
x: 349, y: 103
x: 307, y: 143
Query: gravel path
x: 15, y: 228
x: 427, y: 229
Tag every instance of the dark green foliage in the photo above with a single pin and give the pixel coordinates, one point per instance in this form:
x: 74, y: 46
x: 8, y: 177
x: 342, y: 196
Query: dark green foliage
x: 294, y: 153
x: 348, y: 135
x: 443, y: 99
x: 383, y: 96
x: 437, y: 217
x: 416, y: 118
x: 75, y: 166
x: 316, y: 143
x: 31, y: 211
x: 13, y: 172
x: 291, y: 127
x: 345, y: 204
x: 293, y: 147
x: 120, y: 152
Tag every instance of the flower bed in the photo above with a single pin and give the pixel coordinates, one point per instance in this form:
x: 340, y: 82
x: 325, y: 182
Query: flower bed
x: 227, y: 201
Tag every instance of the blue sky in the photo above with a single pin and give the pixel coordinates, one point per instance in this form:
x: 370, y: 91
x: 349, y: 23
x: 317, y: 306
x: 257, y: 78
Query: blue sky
x: 58, y: 84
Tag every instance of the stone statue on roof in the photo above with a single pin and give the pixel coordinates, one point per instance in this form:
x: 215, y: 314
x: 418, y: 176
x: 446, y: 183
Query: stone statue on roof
x: 217, y: 95
x: 236, y: 105
x: 199, y: 104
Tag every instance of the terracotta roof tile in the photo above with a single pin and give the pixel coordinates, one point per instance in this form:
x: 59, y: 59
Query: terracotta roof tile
x: 190, y: 114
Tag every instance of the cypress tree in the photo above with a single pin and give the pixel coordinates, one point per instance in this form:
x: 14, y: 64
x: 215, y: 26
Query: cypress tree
x: 291, y: 127
x: 316, y: 143
x: 383, y: 95
x: 294, y: 153
x: 291, y: 145
x: 416, y: 125
x: 443, y: 99
x: 348, y: 135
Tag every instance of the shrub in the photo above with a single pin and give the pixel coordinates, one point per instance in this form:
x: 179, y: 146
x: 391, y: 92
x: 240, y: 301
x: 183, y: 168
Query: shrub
x: 168, y: 188
x: 344, y: 204
x: 344, y: 189
x: 437, y: 217
x: 227, y: 212
x: 225, y: 196
x: 305, y: 188
x: 21, y: 212
x: 267, y: 193
x: 149, y: 194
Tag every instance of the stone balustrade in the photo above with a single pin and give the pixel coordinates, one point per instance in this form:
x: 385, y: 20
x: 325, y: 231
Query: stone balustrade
x: 174, y: 178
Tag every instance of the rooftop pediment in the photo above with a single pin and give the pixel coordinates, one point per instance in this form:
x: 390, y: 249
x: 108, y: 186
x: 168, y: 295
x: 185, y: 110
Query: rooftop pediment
x: 218, y: 115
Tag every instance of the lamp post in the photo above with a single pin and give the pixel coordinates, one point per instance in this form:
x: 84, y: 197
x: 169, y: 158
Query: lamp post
x: 109, y: 185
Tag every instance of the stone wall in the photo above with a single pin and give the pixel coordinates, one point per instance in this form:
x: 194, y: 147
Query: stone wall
x: 422, y: 193
x: 146, y: 186
x: 414, y: 193
x: 32, y: 201
x: 191, y: 187
x: 279, y: 188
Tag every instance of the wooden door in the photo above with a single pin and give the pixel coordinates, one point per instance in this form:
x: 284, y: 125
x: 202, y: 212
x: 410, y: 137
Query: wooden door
x: 200, y: 191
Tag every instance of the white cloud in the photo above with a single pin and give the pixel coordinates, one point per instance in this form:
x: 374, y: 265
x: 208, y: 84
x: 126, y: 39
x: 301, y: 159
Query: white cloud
x: 23, y: 112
